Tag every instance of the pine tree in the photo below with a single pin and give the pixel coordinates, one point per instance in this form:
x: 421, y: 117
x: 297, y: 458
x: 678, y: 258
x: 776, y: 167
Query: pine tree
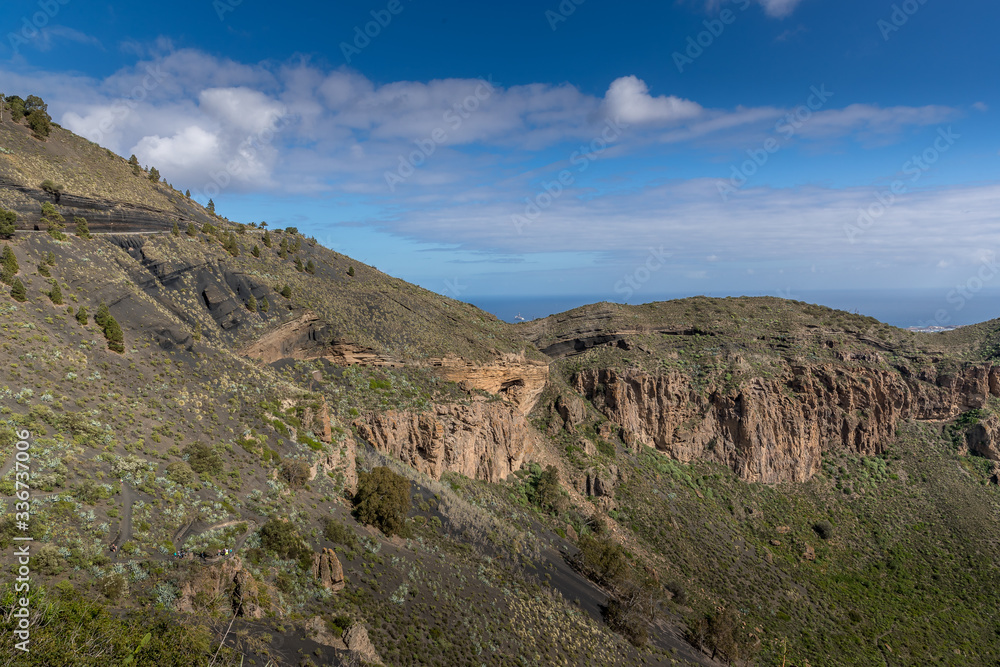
x: 54, y: 220
x: 310, y: 267
x: 7, y: 220
x: 286, y: 292
x: 196, y: 334
x: 154, y: 175
x: 134, y: 161
x: 55, y: 294
x: 17, y: 292
x: 231, y: 245
x: 298, y: 265
x: 103, y: 315
x: 187, y: 193
x: 43, y: 270
x: 267, y: 238
x: 255, y: 252
x: 81, y: 315
x: 50, y: 258
x: 265, y: 305
x: 350, y: 271
x: 211, y: 206
x: 191, y: 230
x: 8, y: 265
x: 82, y: 230
x: 252, y: 304
x: 175, y: 231
x: 116, y: 338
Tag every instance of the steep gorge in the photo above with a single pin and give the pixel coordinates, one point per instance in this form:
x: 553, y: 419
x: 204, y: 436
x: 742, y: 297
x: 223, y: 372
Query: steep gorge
x: 776, y: 430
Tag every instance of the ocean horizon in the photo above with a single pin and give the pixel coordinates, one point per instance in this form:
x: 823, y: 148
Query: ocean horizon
x: 899, y: 307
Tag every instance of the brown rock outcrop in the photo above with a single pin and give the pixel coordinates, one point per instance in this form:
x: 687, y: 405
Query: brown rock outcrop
x: 775, y: 430
x: 572, y: 410
x: 514, y: 377
x: 341, y: 462
x: 309, y: 337
x: 245, y: 597
x: 983, y: 439
x: 317, y: 630
x: 357, y: 640
x: 484, y: 440
x: 602, y: 483
x: 327, y: 570
x: 219, y: 579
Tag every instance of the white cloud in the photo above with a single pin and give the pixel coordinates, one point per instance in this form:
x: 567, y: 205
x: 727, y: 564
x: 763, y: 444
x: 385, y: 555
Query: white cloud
x: 628, y: 98
x: 192, y: 149
x: 779, y: 8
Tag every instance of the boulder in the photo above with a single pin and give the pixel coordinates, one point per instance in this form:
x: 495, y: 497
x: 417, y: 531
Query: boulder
x: 318, y: 631
x: 327, y: 570
x: 601, y: 484
x: 357, y: 640
x: 245, y: 599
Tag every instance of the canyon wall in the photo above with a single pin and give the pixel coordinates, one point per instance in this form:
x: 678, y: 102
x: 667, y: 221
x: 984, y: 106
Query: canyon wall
x: 485, y: 440
x: 775, y: 430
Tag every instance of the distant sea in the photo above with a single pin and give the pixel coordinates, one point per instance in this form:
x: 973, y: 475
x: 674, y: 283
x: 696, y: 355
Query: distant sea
x: 901, y: 308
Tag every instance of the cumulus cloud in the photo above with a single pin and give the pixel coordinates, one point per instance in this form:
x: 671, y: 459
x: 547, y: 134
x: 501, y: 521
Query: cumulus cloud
x: 628, y: 98
x: 342, y: 132
x: 485, y: 149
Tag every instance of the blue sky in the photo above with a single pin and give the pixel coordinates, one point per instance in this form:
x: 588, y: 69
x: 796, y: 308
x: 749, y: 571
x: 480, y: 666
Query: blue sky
x: 548, y: 149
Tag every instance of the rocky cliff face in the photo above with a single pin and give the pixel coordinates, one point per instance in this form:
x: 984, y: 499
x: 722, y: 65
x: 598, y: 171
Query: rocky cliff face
x: 486, y: 440
x: 983, y: 439
x: 776, y: 430
x: 516, y: 379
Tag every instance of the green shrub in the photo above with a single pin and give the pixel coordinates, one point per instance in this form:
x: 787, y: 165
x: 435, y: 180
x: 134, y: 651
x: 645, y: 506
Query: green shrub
x: 824, y: 529
x: 8, y: 265
x: 7, y: 220
x: 181, y: 472
x: 338, y: 533
x: 295, y: 473
x: 282, y: 539
x: 203, y: 459
x: 17, y: 292
x: 82, y: 230
x: 602, y: 559
x: 383, y: 500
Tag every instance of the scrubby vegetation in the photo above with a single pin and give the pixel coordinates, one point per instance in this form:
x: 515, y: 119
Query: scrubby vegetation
x: 224, y: 482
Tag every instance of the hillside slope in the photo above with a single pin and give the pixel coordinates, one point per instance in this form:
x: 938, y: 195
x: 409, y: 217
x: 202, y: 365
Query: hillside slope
x: 703, y: 481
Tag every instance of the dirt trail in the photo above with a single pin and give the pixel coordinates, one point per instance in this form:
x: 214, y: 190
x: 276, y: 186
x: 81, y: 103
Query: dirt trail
x: 125, y: 526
